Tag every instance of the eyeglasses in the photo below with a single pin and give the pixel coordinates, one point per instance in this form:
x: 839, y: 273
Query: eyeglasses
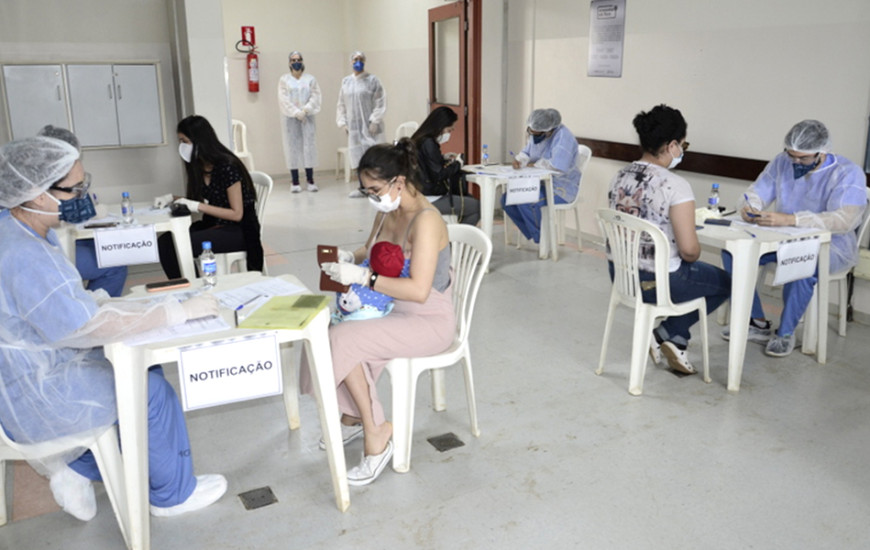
x: 802, y: 159
x: 534, y: 133
x: 374, y: 194
x: 79, y: 190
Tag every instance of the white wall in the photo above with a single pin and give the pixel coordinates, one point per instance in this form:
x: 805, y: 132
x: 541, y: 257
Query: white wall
x: 43, y: 31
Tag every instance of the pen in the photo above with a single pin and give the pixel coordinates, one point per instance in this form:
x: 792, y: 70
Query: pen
x: 750, y: 233
x: 249, y: 301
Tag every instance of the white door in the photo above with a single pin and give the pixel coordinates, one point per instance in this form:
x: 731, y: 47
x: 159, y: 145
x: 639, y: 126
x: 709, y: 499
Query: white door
x: 138, y: 104
x: 35, y: 96
x: 92, y: 101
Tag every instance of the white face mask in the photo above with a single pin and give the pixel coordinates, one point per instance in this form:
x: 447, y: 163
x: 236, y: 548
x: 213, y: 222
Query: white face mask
x: 186, y: 151
x: 386, y: 204
x: 676, y: 160
x: 444, y: 138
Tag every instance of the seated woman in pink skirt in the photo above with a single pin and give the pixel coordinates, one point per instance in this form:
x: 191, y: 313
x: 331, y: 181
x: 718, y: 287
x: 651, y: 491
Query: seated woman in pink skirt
x: 422, y: 321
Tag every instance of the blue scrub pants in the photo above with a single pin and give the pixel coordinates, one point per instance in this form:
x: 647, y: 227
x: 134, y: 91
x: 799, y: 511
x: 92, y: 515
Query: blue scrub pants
x: 528, y: 216
x: 110, y: 279
x: 796, y: 296
x: 692, y: 280
x: 170, y: 465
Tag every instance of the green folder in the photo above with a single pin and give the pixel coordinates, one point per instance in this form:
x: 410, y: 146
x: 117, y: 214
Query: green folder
x: 286, y: 312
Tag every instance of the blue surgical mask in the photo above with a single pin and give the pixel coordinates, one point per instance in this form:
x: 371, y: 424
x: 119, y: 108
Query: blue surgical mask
x: 296, y: 66
x: 77, y: 210
x: 358, y: 66
x: 538, y: 138
x: 801, y: 170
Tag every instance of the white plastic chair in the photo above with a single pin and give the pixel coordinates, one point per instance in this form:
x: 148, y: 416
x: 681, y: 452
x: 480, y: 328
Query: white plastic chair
x: 226, y: 261
x: 343, y: 159
x: 471, y: 250
x: 406, y: 129
x: 623, y: 234
x: 106, y: 452
x: 843, y: 286
x: 584, y: 153
x: 240, y: 144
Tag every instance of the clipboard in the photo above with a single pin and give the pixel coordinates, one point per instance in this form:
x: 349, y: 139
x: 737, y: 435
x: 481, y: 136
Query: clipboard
x: 286, y: 312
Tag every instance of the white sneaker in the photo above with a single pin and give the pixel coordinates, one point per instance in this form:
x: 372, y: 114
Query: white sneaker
x: 74, y: 493
x: 756, y: 334
x: 348, y: 434
x: 295, y: 188
x: 209, y: 488
x: 678, y: 359
x: 312, y: 187
x: 655, y: 351
x: 370, y: 467
x: 355, y: 194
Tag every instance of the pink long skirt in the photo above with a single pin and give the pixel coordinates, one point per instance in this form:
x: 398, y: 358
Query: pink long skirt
x: 410, y: 330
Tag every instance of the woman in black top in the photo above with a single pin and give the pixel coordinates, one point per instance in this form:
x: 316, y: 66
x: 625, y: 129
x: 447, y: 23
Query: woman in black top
x: 220, y: 187
x: 442, y: 174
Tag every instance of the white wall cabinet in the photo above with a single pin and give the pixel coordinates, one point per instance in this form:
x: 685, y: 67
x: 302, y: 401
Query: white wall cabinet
x: 105, y: 105
x: 36, y: 96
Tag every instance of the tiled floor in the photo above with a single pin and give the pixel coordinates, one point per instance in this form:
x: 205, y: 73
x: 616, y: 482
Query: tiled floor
x: 566, y: 459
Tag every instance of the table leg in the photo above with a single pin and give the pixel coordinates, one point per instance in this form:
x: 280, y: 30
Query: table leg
x: 550, y: 218
x: 181, y: 238
x: 487, y: 204
x: 744, y: 275
x: 824, y: 285
x: 323, y: 379
x: 131, y: 391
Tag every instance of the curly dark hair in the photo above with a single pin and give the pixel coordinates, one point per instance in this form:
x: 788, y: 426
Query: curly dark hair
x: 658, y: 127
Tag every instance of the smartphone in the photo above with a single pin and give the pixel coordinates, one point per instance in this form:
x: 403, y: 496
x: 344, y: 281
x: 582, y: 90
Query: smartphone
x: 328, y: 253
x: 100, y: 225
x: 171, y: 284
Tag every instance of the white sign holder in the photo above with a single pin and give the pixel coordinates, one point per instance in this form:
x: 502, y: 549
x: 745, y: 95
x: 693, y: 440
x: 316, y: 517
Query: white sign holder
x: 796, y: 259
x: 523, y: 190
x: 131, y: 245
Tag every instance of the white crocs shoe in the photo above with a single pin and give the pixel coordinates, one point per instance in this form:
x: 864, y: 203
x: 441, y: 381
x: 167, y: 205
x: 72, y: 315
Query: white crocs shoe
x: 678, y: 359
x: 74, y: 493
x: 209, y: 488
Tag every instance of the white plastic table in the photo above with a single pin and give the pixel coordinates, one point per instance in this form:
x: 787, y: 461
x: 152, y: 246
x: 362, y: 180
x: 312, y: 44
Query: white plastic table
x: 69, y: 233
x: 746, y: 251
x: 131, y: 366
x: 490, y: 178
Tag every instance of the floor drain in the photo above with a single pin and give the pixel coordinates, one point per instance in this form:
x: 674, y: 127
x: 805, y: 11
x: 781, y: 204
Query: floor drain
x: 445, y: 442
x: 257, y: 498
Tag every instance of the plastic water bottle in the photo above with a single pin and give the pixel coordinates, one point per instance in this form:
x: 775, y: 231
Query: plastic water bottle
x: 208, y: 265
x: 713, y: 201
x: 484, y: 155
x: 126, y: 208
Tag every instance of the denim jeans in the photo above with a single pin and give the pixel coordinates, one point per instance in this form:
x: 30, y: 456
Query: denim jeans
x: 692, y: 280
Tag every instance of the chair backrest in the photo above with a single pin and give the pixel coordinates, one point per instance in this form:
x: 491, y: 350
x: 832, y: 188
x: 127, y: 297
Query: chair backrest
x: 263, y: 185
x: 862, y: 229
x: 584, y: 153
x: 470, y: 251
x: 240, y: 137
x: 623, y: 234
x: 406, y: 129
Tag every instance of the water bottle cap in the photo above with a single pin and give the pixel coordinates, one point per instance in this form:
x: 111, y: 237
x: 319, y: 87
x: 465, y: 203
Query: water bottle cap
x: 125, y: 195
x: 715, y: 186
x: 206, y: 245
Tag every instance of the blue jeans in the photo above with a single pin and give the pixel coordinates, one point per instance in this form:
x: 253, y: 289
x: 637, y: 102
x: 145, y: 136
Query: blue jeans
x: 110, y: 279
x: 692, y: 280
x: 170, y: 464
x: 796, y: 296
x: 527, y: 217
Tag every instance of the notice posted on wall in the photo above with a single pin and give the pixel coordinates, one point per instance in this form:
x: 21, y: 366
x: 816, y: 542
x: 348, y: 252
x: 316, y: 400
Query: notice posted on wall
x: 606, y: 37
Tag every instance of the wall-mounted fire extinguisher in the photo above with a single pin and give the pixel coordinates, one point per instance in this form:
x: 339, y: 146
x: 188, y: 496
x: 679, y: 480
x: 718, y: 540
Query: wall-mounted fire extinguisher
x: 252, y: 61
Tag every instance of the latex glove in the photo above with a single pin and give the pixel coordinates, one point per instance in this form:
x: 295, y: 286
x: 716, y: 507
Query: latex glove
x: 458, y: 159
x: 300, y: 115
x: 374, y: 128
x: 193, y: 206
x: 521, y: 160
x: 346, y: 256
x: 163, y: 200
x: 346, y: 131
x: 204, y: 305
x: 347, y: 274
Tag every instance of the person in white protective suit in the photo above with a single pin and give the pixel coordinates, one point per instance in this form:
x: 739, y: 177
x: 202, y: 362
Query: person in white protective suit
x: 550, y: 146
x: 299, y: 100
x: 811, y: 187
x: 55, y: 380
x: 362, y: 103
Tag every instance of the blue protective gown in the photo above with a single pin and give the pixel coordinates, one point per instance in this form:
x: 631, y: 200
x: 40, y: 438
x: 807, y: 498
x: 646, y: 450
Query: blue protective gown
x: 48, y: 392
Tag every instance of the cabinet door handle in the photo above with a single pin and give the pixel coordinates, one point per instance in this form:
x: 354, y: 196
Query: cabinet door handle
x: 59, y: 98
x: 109, y: 88
x: 119, y: 92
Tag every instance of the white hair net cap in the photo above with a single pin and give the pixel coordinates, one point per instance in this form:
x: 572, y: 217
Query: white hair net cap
x: 808, y: 136
x: 295, y: 52
x: 358, y: 53
x: 30, y: 166
x: 62, y: 134
x: 544, y: 120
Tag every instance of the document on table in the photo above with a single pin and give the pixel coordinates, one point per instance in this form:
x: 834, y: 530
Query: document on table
x: 190, y: 328
x: 506, y: 171
x: 255, y: 291
x: 788, y: 230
